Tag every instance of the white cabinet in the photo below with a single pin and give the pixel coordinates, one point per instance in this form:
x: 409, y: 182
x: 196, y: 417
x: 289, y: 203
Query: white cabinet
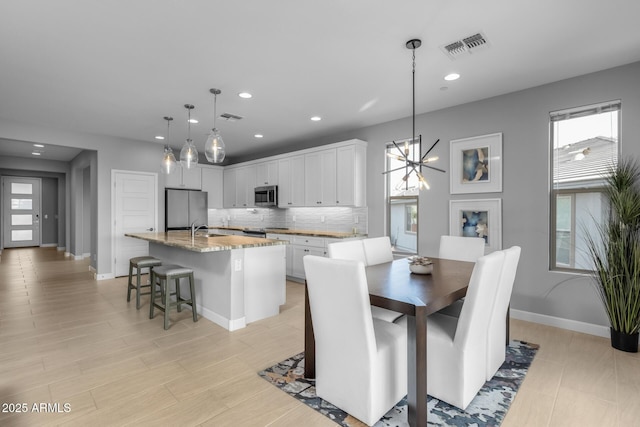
x: 320, y: 178
x: 184, y: 178
x: 229, y: 191
x: 301, y: 246
x: 245, y: 186
x: 212, y: 183
x: 288, y: 250
x: 351, y: 176
x: 267, y: 173
x: 291, y: 178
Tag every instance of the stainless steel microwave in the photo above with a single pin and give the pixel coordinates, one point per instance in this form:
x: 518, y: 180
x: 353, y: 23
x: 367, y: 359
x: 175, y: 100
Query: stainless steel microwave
x: 266, y: 196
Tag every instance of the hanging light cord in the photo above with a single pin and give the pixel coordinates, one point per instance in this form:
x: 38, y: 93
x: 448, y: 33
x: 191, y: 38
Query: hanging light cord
x: 215, y: 98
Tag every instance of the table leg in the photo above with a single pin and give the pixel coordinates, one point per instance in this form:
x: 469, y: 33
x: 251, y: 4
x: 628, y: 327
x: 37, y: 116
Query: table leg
x: 417, y: 367
x: 309, y: 339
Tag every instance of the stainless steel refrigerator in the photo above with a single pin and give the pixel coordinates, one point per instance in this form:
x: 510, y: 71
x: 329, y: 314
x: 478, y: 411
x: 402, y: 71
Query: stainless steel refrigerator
x: 184, y: 207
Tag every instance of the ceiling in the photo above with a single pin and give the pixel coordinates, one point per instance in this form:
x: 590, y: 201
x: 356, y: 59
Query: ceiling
x: 117, y: 67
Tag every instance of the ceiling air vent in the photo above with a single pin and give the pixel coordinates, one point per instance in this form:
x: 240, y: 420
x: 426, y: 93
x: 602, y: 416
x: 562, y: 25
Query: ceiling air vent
x: 467, y: 45
x: 230, y: 117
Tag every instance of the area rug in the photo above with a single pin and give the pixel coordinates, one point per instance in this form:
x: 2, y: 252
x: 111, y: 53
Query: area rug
x: 488, y: 408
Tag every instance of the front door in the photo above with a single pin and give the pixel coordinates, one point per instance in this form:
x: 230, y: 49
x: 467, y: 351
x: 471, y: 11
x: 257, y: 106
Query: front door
x: 135, y: 199
x: 21, y: 214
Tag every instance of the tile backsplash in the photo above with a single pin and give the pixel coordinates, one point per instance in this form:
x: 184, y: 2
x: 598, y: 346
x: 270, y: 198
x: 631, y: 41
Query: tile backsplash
x: 321, y: 219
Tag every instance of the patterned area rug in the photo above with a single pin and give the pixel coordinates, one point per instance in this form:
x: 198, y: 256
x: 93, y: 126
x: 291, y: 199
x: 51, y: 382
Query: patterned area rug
x: 488, y: 408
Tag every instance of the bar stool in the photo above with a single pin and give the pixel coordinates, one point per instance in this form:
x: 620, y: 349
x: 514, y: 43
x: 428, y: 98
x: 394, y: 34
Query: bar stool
x: 139, y: 263
x: 162, y: 276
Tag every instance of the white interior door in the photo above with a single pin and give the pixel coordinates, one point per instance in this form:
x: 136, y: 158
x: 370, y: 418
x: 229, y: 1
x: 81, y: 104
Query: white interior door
x: 21, y: 211
x: 135, y: 211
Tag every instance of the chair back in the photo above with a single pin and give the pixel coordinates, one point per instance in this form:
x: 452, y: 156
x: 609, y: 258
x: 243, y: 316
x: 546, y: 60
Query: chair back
x: 340, y: 311
x: 350, y: 249
x: 461, y: 248
x: 473, y: 323
x: 377, y: 250
x: 497, y: 336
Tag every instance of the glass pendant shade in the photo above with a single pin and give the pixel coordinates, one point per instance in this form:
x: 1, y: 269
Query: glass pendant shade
x: 214, y: 148
x: 189, y: 155
x: 168, y: 161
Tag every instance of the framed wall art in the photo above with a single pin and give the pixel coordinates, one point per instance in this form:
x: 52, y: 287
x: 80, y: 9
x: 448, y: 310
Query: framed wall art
x: 477, y: 218
x: 476, y: 164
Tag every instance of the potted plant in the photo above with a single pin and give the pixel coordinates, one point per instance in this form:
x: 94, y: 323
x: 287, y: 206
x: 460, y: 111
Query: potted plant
x: 615, y: 251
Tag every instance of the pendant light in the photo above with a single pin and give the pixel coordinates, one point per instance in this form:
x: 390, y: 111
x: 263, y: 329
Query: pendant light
x: 189, y: 153
x: 168, y: 159
x: 410, y: 165
x: 214, y: 148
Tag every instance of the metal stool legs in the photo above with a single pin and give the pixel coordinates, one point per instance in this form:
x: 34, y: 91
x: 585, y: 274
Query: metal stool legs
x: 162, y: 277
x: 139, y: 263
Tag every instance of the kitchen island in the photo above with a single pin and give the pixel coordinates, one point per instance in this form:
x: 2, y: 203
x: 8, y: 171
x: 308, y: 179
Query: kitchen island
x: 238, y: 279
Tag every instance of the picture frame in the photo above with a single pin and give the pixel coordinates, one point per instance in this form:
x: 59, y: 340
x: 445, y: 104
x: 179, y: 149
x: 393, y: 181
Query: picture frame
x: 476, y: 164
x: 477, y: 218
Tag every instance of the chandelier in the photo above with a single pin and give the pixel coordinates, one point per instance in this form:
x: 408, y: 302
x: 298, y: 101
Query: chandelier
x: 411, y: 165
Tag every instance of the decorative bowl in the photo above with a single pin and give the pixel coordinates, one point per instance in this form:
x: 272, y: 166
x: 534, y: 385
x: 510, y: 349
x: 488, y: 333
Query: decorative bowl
x: 420, y: 265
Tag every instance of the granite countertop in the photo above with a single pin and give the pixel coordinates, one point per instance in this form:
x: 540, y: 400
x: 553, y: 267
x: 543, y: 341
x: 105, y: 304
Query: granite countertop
x: 312, y: 233
x: 202, y: 242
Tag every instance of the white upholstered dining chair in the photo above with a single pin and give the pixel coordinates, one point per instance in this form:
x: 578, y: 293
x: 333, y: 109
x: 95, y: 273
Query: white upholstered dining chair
x: 457, y: 346
x: 377, y: 250
x: 496, y: 338
x: 461, y: 248
x: 361, y: 362
x: 354, y: 250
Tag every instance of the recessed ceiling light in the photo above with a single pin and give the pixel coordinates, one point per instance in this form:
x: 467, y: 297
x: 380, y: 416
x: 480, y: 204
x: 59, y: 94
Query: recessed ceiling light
x: 451, y: 77
x: 159, y: 137
x: 245, y: 95
x: 38, y: 145
x: 316, y: 118
x: 194, y: 121
x: 258, y: 135
x: 35, y: 153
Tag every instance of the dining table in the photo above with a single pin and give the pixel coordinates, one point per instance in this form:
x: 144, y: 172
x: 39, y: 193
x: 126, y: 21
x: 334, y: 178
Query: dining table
x: 393, y: 286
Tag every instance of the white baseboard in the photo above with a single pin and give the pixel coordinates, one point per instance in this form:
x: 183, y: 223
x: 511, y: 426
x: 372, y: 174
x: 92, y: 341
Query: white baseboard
x: 67, y: 253
x: 87, y: 255
x: 558, y: 322
x: 48, y: 245
x: 93, y: 270
x: 78, y: 257
x: 230, y: 325
x: 103, y: 276
x: 60, y: 248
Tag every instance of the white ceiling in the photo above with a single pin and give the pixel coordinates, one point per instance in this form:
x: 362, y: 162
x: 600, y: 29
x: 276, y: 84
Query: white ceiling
x: 117, y: 67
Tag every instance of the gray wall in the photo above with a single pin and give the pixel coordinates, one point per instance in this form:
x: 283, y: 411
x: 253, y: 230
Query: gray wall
x: 522, y: 117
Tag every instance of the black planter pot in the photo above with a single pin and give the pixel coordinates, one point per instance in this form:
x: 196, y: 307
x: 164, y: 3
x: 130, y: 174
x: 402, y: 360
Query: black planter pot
x: 624, y: 342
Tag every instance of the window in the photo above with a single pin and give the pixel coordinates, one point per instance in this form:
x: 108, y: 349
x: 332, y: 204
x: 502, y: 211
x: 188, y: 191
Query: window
x: 584, y: 146
x: 402, y: 200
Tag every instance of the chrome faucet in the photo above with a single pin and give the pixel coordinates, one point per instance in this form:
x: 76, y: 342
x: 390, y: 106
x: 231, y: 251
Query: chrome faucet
x: 195, y: 228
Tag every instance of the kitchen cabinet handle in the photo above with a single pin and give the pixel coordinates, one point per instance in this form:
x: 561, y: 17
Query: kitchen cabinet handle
x: 318, y: 202
x: 150, y: 229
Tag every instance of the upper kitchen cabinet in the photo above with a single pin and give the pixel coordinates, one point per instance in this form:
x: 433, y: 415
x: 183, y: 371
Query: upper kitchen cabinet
x: 351, y: 175
x: 291, y: 182
x: 320, y: 178
x: 245, y: 186
x: 229, y: 192
x: 212, y: 183
x: 267, y: 173
x: 184, y: 178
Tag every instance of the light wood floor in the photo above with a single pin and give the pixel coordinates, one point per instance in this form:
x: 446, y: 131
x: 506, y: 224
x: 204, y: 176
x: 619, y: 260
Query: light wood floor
x: 67, y: 339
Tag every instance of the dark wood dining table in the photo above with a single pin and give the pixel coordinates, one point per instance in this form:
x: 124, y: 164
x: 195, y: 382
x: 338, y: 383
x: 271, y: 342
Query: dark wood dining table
x: 393, y: 286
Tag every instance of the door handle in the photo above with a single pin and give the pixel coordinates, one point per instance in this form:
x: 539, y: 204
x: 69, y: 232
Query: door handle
x: 150, y: 229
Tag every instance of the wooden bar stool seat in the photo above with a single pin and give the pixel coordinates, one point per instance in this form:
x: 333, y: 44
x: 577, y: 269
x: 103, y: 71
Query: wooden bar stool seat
x: 139, y: 263
x: 161, y: 276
